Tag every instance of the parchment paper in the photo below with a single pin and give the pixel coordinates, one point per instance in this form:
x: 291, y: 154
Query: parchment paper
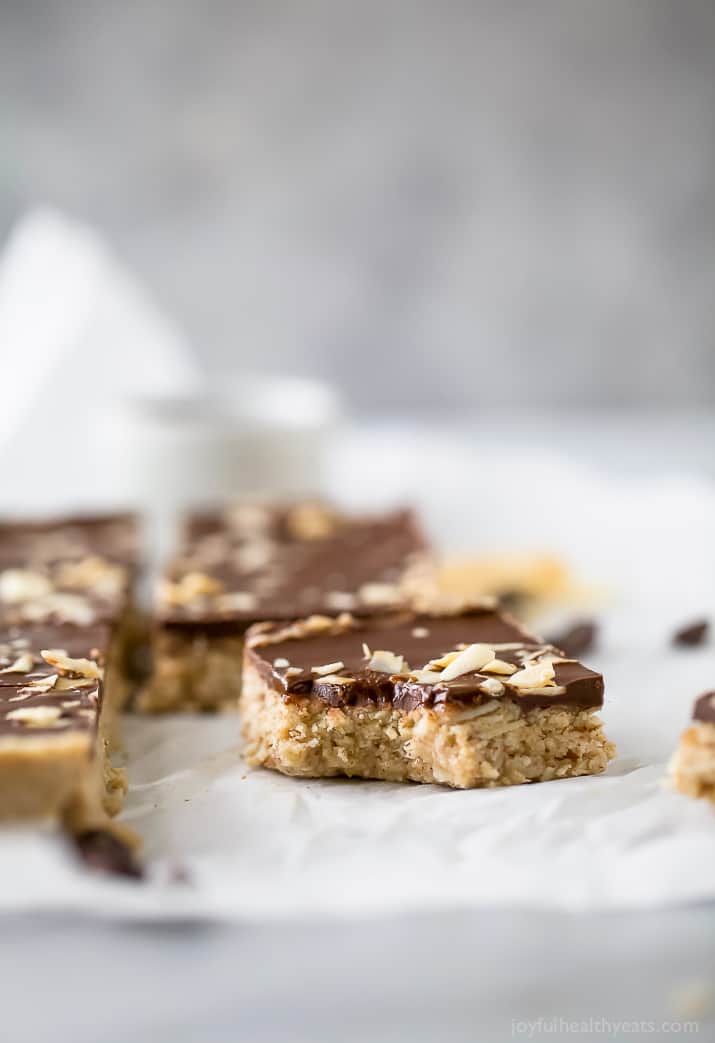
x: 254, y: 844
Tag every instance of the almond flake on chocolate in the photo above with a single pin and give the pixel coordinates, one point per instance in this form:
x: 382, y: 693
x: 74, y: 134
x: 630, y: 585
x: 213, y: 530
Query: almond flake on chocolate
x: 420, y: 632
x: 71, y: 684
x: 22, y: 665
x: 42, y: 685
x: 35, y: 716
x: 537, y: 676
x: 327, y: 668
x: 281, y: 663
x: 66, y: 666
x: 471, y: 659
x: 386, y: 662
x: 427, y: 676
x: 492, y: 687
x: 69, y: 608
x: 443, y: 660
x: 311, y: 521
x: 191, y: 587
x: 92, y: 573
x: 18, y: 585
x: 499, y: 666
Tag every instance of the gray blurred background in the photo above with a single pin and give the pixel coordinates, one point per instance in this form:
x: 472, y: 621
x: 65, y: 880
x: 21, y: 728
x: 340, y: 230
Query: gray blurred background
x: 431, y: 203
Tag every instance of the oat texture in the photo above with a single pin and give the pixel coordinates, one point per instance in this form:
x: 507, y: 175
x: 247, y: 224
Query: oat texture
x: 499, y: 745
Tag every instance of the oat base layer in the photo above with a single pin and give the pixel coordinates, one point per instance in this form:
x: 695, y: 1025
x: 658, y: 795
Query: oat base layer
x: 193, y: 674
x: 692, y: 768
x: 459, y: 748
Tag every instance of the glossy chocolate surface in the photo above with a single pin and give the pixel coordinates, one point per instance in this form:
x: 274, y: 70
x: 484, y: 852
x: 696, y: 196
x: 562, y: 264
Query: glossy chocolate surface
x: 281, y: 562
x: 29, y: 683
x: 288, y: 665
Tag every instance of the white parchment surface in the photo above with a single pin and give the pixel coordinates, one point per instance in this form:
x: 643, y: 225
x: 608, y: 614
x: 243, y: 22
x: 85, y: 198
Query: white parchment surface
x: 254, y: 844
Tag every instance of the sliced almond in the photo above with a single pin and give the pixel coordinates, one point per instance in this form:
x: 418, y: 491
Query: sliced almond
x: 386, y: 662
x: 420, y: 632
x: 69, y: 608
x: 255, y: 555
x: 336, y: 679
x: 327, y: 668
x: 18, y: 585
x: 191, y: 587
x: 443, y: 661
x: 427, y: 676
x: 492, y: 687
x: 42, y: 685
x: 71, y: 684
x: 366, y: 653
x: 22, y: 665
x: 311, y: 521
x: 499, y: 666
x: 472, y: 658
x: 66, y: 666
x: 35, y: 716
x: 548, y: 689
x: 281, y: 663
x: 537, y: 676
x: 92, y: 573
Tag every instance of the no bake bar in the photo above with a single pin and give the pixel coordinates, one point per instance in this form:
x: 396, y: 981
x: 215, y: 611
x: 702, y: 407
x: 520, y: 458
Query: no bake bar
x: 76, y: 570
x: 692, y: 767
x: 67, y: 627
x: 465, y: 700
x: 56, y: 723
x: 253, y: 562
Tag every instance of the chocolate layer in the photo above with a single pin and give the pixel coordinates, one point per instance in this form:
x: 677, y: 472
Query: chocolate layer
x: 69, y: 537
x: 704, y: 709
x: 255, y: 562
x: 287, y: 664
x: 40, y: 697
x: 67, y: 570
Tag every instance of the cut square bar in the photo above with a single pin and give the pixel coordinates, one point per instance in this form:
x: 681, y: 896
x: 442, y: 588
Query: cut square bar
x: 252, y: 562
x: 465, y: 700
x: 57, y: 711
x: 692, y: 767
x: 77, y: 570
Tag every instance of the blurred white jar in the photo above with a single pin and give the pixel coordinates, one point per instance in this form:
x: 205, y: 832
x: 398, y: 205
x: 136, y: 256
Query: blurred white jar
x: 241, y: 435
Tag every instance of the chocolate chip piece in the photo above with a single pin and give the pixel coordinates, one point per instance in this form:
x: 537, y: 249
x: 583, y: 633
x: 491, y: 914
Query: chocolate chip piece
x: 101, y: 850
x: 692, y: 634
x: 577, y: 639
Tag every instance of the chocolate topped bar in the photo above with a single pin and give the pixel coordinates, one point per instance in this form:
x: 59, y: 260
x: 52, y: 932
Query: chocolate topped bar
x: 254, y: 561
x: 466, y: 700
x: 68, y: 570
x: 420, y: 660
x: 704, y: 709
x: 51, y: 680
